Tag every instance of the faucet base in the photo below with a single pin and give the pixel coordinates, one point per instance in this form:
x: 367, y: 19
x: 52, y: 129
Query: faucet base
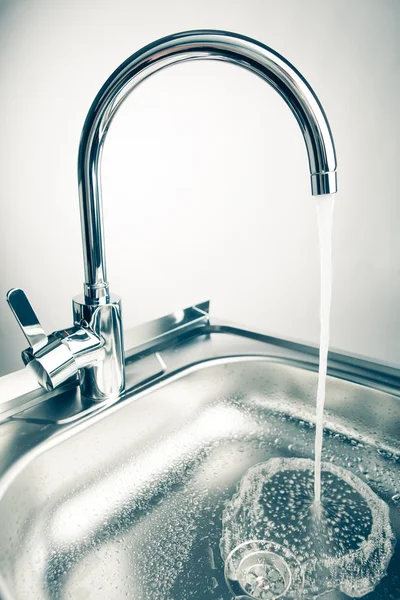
x: 103, y: 379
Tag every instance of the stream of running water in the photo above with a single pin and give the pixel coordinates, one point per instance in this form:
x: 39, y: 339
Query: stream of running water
x: 325, y: 217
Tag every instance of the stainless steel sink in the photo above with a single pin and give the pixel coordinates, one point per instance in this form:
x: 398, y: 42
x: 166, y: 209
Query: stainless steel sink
x: 125, y: 500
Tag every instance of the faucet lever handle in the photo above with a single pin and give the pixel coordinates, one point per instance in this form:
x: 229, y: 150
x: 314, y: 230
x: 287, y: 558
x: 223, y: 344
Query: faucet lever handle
x: 27, y: 319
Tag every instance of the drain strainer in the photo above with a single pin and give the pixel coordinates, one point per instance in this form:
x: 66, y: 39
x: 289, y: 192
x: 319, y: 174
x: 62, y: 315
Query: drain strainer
x: 263, y: 570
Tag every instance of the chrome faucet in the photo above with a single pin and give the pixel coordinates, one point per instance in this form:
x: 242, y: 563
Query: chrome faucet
x: 94, y: 346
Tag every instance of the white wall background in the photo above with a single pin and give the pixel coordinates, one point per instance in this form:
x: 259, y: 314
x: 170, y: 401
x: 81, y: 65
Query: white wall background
x: 206, y: 186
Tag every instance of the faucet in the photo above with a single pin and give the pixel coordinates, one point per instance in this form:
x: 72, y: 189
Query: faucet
x: 93, y: 347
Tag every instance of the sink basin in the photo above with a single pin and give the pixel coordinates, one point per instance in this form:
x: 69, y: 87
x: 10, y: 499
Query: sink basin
x: 127, y: 501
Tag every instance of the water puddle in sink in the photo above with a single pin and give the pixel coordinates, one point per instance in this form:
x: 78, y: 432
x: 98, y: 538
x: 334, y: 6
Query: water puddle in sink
x: 346, y: 545
x: 324, y: 528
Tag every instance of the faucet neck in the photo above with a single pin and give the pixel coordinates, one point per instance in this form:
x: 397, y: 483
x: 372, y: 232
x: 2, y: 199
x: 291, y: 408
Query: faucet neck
x: 190, y: 45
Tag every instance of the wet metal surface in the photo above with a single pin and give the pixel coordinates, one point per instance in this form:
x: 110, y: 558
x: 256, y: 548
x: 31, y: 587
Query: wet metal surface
x: 127, y: 503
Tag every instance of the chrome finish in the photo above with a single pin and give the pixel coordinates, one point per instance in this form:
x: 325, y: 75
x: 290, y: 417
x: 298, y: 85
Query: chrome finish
x: 103, y: 378
x: 323, y: 183
x: 190, y: 45
x: 140, y: 515
x: 66, y: 352
x: 27, y: 319
x: 53, y: 365
x: 96, y: 314
x: 58, y: 357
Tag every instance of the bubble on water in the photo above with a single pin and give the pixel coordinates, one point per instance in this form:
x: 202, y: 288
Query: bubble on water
x: 344, y: 543
x: 396, y: 499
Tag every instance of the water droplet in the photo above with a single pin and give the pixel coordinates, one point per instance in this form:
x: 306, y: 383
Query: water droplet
x: 396, y: 499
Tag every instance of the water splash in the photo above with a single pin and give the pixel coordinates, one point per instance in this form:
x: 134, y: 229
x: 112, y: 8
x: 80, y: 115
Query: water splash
x: 345, y: 542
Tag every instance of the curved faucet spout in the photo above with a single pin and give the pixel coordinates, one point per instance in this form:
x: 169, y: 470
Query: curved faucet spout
x: 95, y: 346
x: 190, y: 45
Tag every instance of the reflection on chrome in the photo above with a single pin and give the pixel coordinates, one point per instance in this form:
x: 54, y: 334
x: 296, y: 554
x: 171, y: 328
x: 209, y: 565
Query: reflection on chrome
x: 102, y: 376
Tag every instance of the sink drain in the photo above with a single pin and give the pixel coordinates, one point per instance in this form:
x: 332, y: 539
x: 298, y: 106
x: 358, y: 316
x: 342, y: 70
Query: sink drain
x: 264, y: 575
x: 263, y: 570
